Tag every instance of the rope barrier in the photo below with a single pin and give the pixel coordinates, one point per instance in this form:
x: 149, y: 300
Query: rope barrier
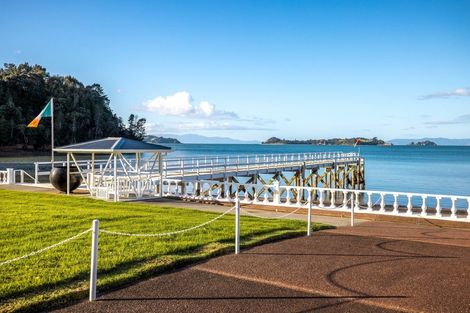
x: 373, y: 205
x: 45, y: 249
x: 169, y: 233
x: 273, y: 217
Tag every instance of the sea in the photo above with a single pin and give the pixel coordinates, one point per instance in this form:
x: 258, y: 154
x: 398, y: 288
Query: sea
x: 437, y: 170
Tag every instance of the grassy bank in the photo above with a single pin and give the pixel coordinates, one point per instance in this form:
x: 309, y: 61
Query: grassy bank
x: 31, y: 221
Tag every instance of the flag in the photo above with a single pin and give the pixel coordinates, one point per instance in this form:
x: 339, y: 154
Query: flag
x: 46, y: 112
x: 357, y: 141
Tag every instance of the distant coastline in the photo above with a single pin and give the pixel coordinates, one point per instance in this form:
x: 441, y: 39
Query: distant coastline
x: 160, y: 139
x: 329, y: 142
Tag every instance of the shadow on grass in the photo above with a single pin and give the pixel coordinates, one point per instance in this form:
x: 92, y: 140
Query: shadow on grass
x: 191, y: 255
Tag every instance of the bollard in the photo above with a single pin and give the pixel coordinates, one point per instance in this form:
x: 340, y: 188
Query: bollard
x: 237, y: 225
x: 309, y: 217
x: 94, y: 259
x: 352, y: 210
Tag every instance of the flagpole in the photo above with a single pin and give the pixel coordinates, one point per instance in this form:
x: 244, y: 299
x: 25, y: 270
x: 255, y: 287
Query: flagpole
x: 52, y: 132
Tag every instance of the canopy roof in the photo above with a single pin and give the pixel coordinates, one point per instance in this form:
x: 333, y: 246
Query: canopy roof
x: 112, y: 145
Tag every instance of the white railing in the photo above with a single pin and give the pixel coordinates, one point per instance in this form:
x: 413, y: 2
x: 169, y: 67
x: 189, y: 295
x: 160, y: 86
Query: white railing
x: 448, y: 207
x: 44, y: 168
x: 127, y: 189
x: 210, y: 165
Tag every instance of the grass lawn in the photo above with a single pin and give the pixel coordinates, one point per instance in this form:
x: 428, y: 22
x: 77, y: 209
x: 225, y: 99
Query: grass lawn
x: 30, y: 221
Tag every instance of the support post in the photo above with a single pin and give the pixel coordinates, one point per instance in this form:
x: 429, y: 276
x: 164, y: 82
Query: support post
x: 68, y: 173
x: 92, y: 170
x: 352, y: 210
x: 237, y: 225
x: 276, y: 195
x: 116, y: 186
x: 309, y: 215
x: 160, y: 171
x: 11, y: 176
x: 94, y: 259
x: 36, y: 172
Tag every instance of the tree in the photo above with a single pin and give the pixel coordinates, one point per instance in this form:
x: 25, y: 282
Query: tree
x: 81, y: 112
x: 135, y: 128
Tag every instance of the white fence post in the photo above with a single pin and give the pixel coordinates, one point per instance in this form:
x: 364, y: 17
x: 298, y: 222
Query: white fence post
x: 11, y: 176
x: 309, y: 215
x: 237, y: 225
x: 36, y: 172
x: 94, y: 259
x: 276, y: 195
x: 352, y: 209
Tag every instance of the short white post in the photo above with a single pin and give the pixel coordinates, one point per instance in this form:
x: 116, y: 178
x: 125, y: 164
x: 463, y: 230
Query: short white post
x: 309, y: 215
x: 352, y: 209
x: 36, y: 172
x: 11, y: 176
x: 276, y: 196
x: 237, y: 225
x: 94, y: 259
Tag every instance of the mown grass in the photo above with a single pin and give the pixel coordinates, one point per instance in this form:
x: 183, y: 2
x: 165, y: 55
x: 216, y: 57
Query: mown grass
x: 31, y: 221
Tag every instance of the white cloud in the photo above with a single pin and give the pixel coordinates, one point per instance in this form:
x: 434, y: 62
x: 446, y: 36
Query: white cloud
x: 206, y: 108
x: 459, y: 92
x: 203, y: 125
x: 177, y: 104
x: 181, y: 104
x: 462, y: 119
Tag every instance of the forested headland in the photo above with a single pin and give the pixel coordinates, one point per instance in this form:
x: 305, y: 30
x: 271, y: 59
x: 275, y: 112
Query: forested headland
x: 81, y: 112
x: 330, y: 142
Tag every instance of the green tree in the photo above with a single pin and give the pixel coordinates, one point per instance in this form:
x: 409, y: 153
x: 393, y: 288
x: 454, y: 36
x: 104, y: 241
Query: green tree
x: 80, y: 112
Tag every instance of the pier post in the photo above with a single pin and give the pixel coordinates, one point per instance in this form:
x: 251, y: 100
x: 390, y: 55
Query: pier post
x: 94, y: 259
x: 237, y: 225
x: 352, y: 209
x: 276, y: 195
x: 309, y: 214
x: 11, y: 179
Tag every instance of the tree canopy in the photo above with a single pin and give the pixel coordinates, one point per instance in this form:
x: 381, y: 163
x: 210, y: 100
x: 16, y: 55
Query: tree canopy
x: 80, y: 112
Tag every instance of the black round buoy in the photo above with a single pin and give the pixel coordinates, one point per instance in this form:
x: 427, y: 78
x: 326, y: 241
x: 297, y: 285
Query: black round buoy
x: 58, y: 178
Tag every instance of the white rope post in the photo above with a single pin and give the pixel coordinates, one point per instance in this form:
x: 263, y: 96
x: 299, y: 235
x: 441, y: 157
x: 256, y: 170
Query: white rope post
x: 352, y: 209
x: 309, y: 216
x: 94, y: 259
x: 237, y: 225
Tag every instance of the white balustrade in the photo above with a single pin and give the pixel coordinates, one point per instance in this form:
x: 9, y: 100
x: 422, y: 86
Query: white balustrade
x: 390, y: 202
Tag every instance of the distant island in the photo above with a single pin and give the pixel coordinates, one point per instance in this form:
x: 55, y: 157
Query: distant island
x: 425, y: 143
x: 329, y: 142
x: 157, y: 139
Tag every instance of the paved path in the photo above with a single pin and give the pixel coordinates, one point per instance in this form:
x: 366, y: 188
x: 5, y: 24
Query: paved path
x: 374, y: 267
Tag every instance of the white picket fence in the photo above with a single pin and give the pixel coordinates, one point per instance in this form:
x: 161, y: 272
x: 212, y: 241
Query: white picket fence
x: 432, y: 206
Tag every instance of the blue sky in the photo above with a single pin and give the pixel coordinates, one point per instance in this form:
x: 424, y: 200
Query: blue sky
x: 255, y: 69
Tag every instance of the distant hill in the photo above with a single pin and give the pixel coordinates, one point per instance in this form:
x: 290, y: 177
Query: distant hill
x: 329, y: 142
x: 193, y: 138
x: 438, y: 141
x: 157, y: 139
